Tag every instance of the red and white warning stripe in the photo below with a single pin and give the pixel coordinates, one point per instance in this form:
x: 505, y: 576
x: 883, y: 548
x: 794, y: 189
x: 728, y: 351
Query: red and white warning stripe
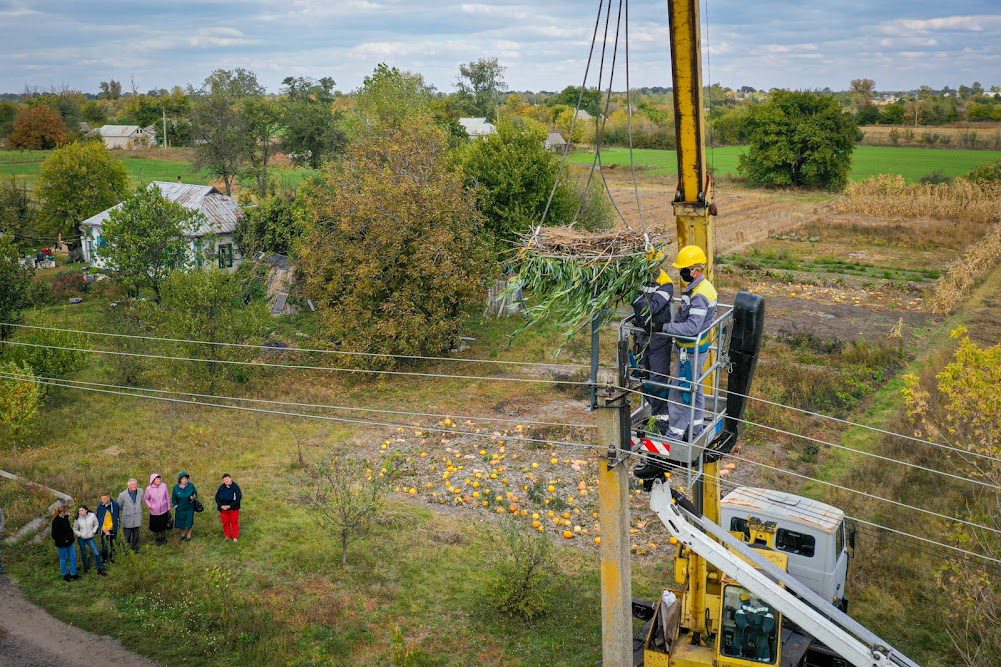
x: 651, y: 445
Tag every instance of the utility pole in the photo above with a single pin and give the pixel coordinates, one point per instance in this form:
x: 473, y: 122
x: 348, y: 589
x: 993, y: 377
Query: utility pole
x: 613, y: 507
x: 165, y: 142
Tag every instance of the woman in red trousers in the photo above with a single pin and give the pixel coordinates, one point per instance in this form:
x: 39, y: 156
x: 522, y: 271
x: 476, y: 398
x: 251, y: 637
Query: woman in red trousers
x: 227, y: 500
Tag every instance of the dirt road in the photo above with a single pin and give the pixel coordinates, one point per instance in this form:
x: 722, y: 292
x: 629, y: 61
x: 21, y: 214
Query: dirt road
x: 30, y: 637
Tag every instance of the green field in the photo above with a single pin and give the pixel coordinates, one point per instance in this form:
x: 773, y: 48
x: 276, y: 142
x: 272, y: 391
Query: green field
x: 911, y: 163
x: 25, y: 165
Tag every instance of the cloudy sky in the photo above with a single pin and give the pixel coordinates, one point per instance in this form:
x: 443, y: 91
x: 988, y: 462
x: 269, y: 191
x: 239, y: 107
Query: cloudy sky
x: 543, y: 43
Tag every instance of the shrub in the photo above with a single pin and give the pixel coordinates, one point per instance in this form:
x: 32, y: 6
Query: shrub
x: 48, y: 353
x: 15, y: 287
x: 20, y: 400
x: 271, y: 226
x: 38, y: 127
x: 985, y: 173
x: 936, y: 178
x: 519, y: 583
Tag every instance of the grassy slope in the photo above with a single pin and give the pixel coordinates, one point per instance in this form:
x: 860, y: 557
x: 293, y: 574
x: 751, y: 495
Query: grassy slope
x: 911, y: 163
x: 25, y: 165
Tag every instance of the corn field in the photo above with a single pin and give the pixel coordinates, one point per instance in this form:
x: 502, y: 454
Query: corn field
x: 963, y: 274
x: 892, y: 197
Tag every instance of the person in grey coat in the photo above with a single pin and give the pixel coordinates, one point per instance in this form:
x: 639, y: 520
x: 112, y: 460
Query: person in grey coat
x: 131, y: 502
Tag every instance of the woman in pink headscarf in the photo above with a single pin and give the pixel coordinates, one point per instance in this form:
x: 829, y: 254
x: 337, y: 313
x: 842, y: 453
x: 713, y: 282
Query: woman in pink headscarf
x: 157, y: 499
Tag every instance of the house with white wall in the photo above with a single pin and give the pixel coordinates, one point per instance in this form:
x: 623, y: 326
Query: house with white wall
x: 214, y: 237
x: 125, y: 136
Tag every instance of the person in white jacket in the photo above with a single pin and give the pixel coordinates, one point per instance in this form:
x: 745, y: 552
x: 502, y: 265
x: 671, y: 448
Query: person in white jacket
x: 85, y: 528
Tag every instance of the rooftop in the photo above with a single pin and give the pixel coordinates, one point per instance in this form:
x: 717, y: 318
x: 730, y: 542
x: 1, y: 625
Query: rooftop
x: 221, y: 212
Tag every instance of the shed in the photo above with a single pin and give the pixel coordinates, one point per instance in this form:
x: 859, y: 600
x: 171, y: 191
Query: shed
x: 555, y: 141
x: 222, y: 214
x: 125, y: 136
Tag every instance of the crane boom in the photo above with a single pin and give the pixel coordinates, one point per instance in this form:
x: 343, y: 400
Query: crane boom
x: 809, y: 611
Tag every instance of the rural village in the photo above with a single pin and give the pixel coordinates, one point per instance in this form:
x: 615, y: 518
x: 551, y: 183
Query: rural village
x: 658, y: 367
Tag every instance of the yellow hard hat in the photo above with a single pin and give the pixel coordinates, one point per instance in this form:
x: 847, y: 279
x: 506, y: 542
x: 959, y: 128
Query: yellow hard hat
x: 690, y: 255
x: 744, y: 597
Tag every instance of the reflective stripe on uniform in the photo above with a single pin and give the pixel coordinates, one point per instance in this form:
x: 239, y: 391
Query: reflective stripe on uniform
x: 698, y: 312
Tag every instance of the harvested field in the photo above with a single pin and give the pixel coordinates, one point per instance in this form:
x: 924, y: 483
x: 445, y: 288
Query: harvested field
x: 970, y: 136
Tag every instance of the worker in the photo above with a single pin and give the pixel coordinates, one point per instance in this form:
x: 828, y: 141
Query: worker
x: 694, y: 316
x: 652, y: 310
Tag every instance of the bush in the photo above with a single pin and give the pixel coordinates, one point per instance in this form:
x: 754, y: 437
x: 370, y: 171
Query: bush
x: 43, y: 355
x: 520, y: 582
x: 936, y: 178
x: 800, y: 139
x: 271, y: 226
x: 985, y: 173
x: 395, y: 245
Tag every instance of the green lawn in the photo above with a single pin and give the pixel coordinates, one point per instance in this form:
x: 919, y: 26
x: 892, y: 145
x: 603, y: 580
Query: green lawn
x: 25, y: 165
x: 911, y: 163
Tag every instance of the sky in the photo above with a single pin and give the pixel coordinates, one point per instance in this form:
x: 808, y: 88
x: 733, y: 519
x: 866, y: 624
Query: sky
x: 543, y: 44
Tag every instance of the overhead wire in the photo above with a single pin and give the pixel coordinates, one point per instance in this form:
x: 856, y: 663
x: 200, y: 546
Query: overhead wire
x: 638, y: 454
x: 629, y: 130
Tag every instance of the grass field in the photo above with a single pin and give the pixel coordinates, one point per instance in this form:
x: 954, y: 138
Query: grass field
x: 911, y: 163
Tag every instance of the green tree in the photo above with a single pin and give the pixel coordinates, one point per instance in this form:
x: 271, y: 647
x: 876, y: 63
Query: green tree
x: 388, y: 98
x: 223, y: 139
x: 393, y: 245
x: 146, y: 239
x: 513, y: 174
x: 76, y: 182
x: 271, y: 226
x: 480, y: 84
x: 8, y: 112
x: 50, y: 354
x: 18, y: 214
x: 15, y: 286
x: 21, y: 397
x: 38, y: 127
x: 311, y: 125
x: 801, y: 139
x: 590, y: 102
x: 264, y: 120
x: 207, y: 306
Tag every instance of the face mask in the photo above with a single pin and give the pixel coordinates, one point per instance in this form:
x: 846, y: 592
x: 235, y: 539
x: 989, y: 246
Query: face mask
x: 686, y: 275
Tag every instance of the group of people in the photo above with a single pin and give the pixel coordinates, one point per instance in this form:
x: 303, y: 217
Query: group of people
x: 168, y: 509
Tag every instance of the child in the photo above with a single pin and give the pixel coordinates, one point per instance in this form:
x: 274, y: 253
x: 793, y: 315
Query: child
x: 85, y: 528
x: 62, y: 535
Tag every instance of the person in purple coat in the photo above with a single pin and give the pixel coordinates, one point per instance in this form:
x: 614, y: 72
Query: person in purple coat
x: 157, y: 498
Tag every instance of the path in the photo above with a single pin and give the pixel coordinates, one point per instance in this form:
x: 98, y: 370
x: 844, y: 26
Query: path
x: 30, y: 637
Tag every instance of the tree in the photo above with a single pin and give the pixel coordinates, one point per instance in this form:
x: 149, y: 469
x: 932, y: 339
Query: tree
x: 38, y: 127
x: 146, y: 239
x: 264, y: 120
x: 8, y: 112
x: 862, y: 92
x: 801, y: 139
x: 393, y: 248
x: 591, y: 101
x: 480, y: 84
x: 20, y: 400
x: 206, y: 306
x: 219, y: 124
x: 311, y: 125
x: 513, y: 174
x: 271, y: 226
x: 76, y: 182
x: 387, y: 99
x: 110, y: 90
x: 18, y: 214
x: 867, y: 114
x: 15, y: 284
x: 346, y: 497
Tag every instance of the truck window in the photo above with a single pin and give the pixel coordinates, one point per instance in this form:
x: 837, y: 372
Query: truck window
x: 840, y: 544
x: 738, y: 525
x: 750, y: 627
x: 795, y: 543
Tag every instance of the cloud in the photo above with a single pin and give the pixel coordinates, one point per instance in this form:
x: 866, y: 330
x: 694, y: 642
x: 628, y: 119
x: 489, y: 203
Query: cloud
x: 220, y: 37
x: 979, y: 23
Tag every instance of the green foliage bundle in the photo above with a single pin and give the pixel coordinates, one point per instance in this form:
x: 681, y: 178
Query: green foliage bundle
x: 985, y: 173
x: 520, y: 583
x: 799, y: 139
x: 76, y: 182
x: 145, y: 240
x: 513, y: 174
x: 394, y: 250
x: 15, y: 286
x: 271, y: 226
x: 50, y: 354
x: 573, y: 277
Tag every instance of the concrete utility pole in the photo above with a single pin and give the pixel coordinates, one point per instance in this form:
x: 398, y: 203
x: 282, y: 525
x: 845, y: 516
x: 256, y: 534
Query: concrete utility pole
x: 613, y: 507
x: 165, y: 143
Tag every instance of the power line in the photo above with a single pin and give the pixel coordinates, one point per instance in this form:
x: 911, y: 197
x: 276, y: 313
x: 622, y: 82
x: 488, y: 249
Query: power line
x: 299, y: 404
x: 831, y: 444
x: 263, y: 364
x: 641, y: 455
x: 412, y: 357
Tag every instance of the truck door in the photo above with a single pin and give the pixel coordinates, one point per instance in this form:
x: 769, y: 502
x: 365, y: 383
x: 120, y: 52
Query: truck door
x: 840, y: 565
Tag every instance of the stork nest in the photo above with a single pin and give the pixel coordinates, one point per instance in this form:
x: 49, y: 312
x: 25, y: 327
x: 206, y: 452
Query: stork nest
x: 574, y: 276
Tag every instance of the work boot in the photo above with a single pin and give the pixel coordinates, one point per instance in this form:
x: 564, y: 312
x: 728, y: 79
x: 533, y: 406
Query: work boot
x: 102, y: 573
x: 66, y: 577
x: 74, y: 577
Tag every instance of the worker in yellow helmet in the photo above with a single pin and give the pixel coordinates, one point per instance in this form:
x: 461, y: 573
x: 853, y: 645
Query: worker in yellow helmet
x: 651, y: 311
x: 694, y: 316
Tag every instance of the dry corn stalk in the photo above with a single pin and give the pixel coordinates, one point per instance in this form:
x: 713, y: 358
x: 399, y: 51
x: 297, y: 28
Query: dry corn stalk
x: 963, y: 274
x: 891, y: 196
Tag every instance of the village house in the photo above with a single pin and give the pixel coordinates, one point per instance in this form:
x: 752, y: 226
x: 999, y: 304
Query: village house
x: 214, y: 237
x: 125, y: 136
x: 477, y: 127
x: 555, y: 142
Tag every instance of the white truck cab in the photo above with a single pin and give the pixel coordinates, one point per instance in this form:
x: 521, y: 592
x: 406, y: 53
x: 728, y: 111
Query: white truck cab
x: 811, y: 533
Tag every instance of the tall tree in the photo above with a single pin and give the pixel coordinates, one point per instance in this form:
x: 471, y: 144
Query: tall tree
x: 146, y: 239
x: 18, y: 214
x: 77, y: 181
x: 480, y: 85
x: 264, y: 120
x: 38, y: 127
x: 311, y: 125
x: 862, y: 92
x: 800, y: 139
x: 388, y: 98
x: 15, y: 283
x: 219, y: 124
x: 110, y: 90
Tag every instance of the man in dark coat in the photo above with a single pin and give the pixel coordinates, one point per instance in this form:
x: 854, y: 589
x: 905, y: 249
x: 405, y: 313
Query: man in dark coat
x: 109, y: 519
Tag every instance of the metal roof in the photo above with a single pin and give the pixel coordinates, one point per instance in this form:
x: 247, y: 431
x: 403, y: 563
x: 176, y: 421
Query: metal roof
x: 555, y: 139
x: 804, y: 510
x: 221, y: 212
x: 118, y: 130
x: 477, y: 127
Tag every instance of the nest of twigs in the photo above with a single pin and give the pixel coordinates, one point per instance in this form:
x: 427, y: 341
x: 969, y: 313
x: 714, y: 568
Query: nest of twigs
x: 573, y: 276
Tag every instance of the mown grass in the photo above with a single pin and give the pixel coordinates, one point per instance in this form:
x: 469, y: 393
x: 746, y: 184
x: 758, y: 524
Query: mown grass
x: 911, y: 163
